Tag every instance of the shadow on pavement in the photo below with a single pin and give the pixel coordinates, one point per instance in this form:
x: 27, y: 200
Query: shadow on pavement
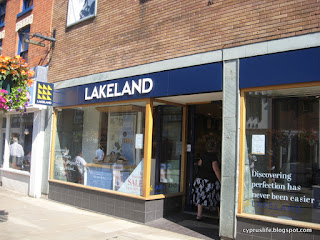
x: 3, y: 216
x: 185, y: 223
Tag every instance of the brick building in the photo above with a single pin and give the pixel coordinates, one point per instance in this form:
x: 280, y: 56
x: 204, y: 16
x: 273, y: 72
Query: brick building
x: 26, y: 172
x: 142, y: 86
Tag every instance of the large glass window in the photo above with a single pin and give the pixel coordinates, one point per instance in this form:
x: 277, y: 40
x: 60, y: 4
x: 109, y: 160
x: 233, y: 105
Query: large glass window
x: 21, y: 128
x: 3, y: 122
x: 79, y: 10
x: 23, y: 45
x: 282, y: 160
x: 3, y: 5
x: 167, y: 149
x: 101, y: 147
x: 27, y: 4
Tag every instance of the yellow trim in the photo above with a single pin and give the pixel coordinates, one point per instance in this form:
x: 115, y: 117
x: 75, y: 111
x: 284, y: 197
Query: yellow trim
x: 161, y: 196
x: 242, y: 152
x: 53, y: 141
x: 285, y: 86
x: 153, y: 197
x: 147, y: 149
x: 280, y: 221
x: 97, y: 189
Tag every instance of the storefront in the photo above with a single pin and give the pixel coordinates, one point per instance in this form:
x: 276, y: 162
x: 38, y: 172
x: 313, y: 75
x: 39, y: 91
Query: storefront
x: 279, y: 180
x: 120, y: 146
x: 126, y: 146
x: 23, y: 152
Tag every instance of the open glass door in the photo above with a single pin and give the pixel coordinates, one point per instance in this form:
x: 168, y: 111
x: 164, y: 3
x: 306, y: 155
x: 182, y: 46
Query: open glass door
x: 204, y: 124
x: 167, y: 149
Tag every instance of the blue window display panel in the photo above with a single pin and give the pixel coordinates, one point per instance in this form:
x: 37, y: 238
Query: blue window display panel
x: 100, y: 177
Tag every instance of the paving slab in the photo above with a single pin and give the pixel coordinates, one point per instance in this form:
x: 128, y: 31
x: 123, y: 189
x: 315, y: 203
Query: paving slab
x: 23, y: 217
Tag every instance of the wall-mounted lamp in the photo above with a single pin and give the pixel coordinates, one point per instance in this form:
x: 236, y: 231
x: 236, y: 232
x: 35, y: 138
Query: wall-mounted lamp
x: 34, y: 42
x: 26, y: 131
x: 43, y: 38
x: 38, y: 35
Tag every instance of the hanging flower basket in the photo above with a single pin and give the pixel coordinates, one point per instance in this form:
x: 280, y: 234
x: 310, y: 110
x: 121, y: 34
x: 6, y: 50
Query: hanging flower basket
x: 15, y: 79
x: 310, y: 137
x: 280, y: 137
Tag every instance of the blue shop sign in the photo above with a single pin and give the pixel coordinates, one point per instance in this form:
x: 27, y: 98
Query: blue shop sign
x: 280, y: 68
x: 183, y: 81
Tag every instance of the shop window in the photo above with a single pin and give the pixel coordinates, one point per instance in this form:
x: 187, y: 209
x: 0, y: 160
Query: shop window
x: 101, y: 147
x: 282, y: 161
x: 79, y: 10
x: 3, y: 122
x: 167, y: 149
x: 23, y: 47
x: 3, y: 6
x: 21, y: 128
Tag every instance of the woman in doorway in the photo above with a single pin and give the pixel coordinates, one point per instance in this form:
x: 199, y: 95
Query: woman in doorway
x: 206, y: 186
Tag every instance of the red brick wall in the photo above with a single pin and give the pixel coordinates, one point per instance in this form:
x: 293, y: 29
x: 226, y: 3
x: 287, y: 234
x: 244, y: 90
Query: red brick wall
x: 42, y: 19
x: 128, y: 33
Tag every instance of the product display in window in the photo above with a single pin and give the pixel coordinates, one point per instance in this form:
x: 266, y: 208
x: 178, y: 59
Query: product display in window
x: 282, y: 160
x: 20, y: 141
x: 97, y: 148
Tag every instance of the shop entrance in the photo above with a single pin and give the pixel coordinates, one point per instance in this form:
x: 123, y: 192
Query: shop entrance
x: 204, y: 124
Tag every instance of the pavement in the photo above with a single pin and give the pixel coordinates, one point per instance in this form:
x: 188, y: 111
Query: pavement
x: 24, y: 218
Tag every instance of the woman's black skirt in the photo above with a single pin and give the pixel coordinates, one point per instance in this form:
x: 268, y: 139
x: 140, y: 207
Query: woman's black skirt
x: 206, y: 193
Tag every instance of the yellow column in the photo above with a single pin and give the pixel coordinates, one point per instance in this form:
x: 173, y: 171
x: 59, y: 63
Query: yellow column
x: 53, y: 141
x: 242, y: 152
x: 147, y: 148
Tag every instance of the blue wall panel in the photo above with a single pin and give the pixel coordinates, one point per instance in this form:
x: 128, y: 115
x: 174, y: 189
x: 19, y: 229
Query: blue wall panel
x: 280, y: 68
x: 191, y: 80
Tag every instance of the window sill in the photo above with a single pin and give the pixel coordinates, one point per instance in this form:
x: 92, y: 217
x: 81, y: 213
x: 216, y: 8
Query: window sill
x: 29, y: 9
x: 153, y: 197
x: 10, y: 170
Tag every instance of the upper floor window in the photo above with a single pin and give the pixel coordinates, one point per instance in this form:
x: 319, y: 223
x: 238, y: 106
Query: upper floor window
x: 79, y: 10
x: 27, y: 4
x: 1, y: 47
x: 23, y: 45
x: 2, y: 12
x: 26, y: 7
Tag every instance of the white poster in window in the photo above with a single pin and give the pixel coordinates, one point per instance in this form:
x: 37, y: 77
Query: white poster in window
x: 121, y: 136
x: 139, y: 141
x: 258, y: 144
x: 80, y: 9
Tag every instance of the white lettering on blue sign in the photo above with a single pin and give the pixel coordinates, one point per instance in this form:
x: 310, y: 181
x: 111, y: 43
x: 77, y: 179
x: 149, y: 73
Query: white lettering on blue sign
x: 142, y: 86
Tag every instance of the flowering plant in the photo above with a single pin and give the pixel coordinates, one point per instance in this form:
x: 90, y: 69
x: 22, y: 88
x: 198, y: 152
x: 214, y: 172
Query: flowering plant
x: 15, y: 78
x: 280, y: 136
x: 309, y: 136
